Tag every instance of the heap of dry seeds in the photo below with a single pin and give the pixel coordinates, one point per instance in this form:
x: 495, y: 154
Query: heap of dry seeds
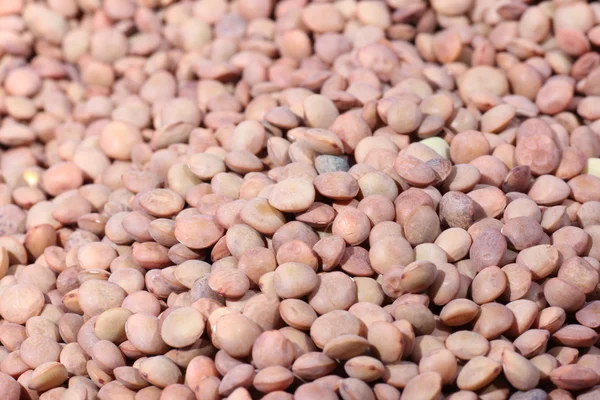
x: 355, y: 199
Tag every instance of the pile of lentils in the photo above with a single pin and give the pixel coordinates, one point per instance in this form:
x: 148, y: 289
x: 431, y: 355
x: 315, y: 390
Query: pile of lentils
x: 310, y: 200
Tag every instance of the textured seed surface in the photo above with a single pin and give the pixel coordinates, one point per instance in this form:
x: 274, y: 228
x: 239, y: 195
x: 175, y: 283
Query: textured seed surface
x: 299, y: 199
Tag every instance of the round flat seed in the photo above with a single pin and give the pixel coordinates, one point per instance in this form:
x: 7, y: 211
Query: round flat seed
x: 560, y: 293
x: 292, y: 195
x: 493, y: 320
x: 459, y: 312
x: 519, y: 371
x: 30, y: 304
x: 488, y: 285
x: 143, y: 333
x: 573, y: 377
x: 228, y: 281
x: 110, y: 325
x: 538, y: 152
x: 48, y: 376
x: 161, y: 202
x: 422, y: 226
x: 336, y: 185
x: 182, y: 327
x: 160, y: 371
x: 418, y: 276
x: 427, y: 385
x: 488, y: 249
x: 236, y: 334
x: 333, y: 324
x: 198, y: 231
x: 345, y: 347
x: 205, y: 165
x: 414, y: 171
x: 588, y: 315
x: 294, y: 280
x: 478, y: 373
